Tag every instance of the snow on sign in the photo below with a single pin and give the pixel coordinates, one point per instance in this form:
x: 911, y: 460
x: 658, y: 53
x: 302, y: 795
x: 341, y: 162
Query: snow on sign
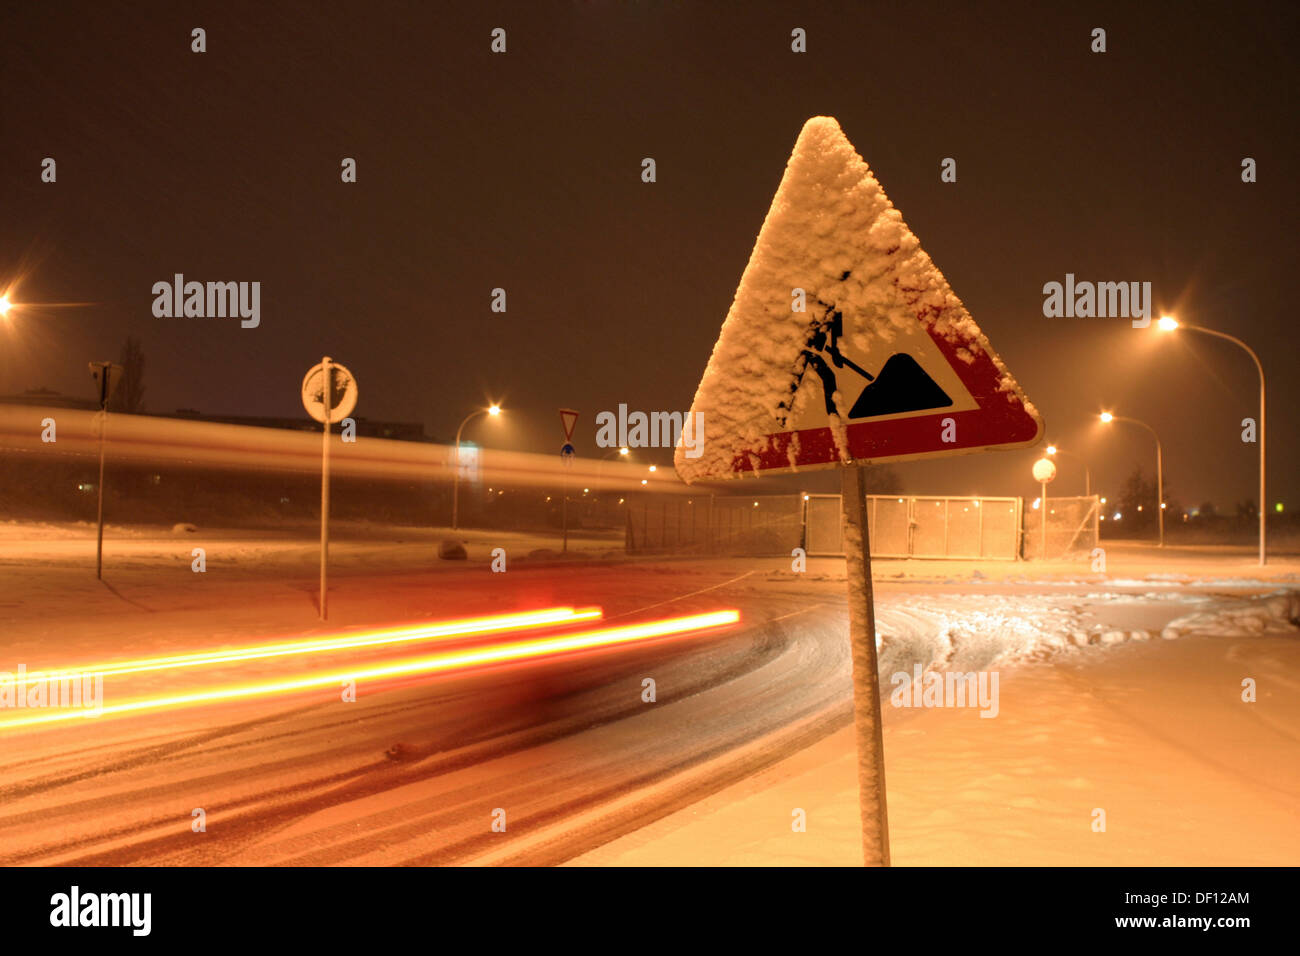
x: 844, y: 341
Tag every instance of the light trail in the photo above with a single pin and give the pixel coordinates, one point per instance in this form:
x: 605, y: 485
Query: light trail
x: 140, y: 440
x: 447, y: 662
x: 545, y: 617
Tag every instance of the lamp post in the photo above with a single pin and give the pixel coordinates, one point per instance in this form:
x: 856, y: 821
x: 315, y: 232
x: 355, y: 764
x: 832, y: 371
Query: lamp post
x: 1168, y: 324
x: 493, y: 410
x: 1053, y: 451
x: 600, y: 465
x: 1107, y: 418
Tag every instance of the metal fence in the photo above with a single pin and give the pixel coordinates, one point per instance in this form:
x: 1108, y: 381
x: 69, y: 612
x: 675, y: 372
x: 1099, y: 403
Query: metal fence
x: 1072, y: 528
x: 764, y: 524
x: 901, y: 526
x: 922, y: 526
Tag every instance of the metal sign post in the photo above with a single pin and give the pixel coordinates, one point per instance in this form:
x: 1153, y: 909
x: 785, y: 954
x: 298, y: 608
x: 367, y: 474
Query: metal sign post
x: 568, y: 419
x: 328, y: 396
x: 866, y: 668
x: 106, y: 375
x: 321, y: 387
x: 1044, y: 471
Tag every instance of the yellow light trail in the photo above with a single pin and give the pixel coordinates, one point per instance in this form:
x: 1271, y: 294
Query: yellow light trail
x: 441, y: 663
x: 545, y: 617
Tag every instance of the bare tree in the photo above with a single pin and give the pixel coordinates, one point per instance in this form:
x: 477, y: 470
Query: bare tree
x: 128, y: 396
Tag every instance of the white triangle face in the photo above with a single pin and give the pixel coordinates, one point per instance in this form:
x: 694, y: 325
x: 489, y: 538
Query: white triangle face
x: 880, y: 373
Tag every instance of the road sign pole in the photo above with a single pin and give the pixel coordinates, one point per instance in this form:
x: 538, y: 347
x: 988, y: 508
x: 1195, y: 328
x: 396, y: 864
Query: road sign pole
x: 105, y: 389
x: 866, y: 668
x: 99, y: 519
x: 328, y: 393
x: 1042, y: 501
x: 568, y: 418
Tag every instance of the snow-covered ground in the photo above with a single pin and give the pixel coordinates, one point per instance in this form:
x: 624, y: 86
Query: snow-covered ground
x: 1150, y: 729
x: 1118, y: 692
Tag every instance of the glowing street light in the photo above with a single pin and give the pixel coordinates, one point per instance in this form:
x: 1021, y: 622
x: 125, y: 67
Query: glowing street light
x: 1107, y: 418
x: 493, y: 410
x: 5, y: 306
x: 1169, y: 324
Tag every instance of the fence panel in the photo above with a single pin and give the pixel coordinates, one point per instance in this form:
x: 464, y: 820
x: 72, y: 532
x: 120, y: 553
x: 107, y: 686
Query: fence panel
x: 901, y: 527
x: 1072, y: 529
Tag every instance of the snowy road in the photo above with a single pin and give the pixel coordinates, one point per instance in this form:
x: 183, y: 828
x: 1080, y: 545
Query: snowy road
x: 415, y: 772
x: 412, y: 773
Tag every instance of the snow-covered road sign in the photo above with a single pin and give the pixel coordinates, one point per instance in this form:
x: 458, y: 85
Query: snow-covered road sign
x: 844, y: 342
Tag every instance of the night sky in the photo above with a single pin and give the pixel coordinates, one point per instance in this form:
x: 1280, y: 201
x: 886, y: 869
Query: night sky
x: 522, y: 171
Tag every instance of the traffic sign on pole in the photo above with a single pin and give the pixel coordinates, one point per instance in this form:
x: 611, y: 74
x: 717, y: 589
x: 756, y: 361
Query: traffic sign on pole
x: 845, y: 344
x: 329, y: 393
x: 568, y: 418
x: 343, y: 387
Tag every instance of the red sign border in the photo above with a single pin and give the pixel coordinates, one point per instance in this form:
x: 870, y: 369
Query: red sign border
x: 1000, y: 421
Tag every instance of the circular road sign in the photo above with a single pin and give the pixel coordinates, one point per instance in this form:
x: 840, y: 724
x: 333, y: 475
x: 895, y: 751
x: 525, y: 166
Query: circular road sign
x: 313, y: 392
x: 1044, y: 470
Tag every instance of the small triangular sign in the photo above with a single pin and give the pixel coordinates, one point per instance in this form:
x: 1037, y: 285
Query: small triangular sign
x: 568, y: 418
x: 844, y: 342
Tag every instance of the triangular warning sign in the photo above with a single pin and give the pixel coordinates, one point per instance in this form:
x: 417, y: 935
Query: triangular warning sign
x: 844, y: 342
x: 568, y: 418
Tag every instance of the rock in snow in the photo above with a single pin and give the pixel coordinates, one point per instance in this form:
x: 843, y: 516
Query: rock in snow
x: 450, y: 549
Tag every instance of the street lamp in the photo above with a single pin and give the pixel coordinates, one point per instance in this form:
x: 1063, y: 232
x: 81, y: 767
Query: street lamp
x: 1168, y: 323
x: 5, y: 306
x: 493, y: 410
x: 1053, y: 451
x: 1107, y: 418
x: 600, y: 465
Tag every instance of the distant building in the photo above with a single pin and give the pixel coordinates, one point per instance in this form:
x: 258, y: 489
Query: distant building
x: 399, y: 431
x: 50, y: 399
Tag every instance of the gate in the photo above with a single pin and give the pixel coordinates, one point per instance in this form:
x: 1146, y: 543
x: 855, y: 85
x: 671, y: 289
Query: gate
x: 922, y: 526
x: 1072, y: 529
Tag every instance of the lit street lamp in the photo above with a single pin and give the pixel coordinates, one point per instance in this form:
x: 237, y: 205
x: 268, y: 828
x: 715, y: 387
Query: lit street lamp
x: 1107, y: 418
x: 1168, y: 324
x: 493, y: 410
x: 1053, y: 451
